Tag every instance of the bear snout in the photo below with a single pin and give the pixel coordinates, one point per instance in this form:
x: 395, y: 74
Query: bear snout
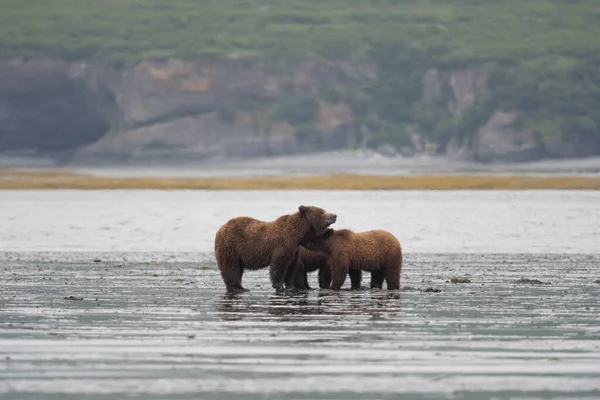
x: 332, y: 218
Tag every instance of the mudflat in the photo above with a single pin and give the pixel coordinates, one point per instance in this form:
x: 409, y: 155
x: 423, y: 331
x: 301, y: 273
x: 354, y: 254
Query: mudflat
x: 463, y: 326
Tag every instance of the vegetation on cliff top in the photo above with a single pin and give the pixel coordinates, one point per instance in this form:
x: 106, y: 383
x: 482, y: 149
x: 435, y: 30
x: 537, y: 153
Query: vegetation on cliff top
x: 543, y: 55
x: 461, y: 31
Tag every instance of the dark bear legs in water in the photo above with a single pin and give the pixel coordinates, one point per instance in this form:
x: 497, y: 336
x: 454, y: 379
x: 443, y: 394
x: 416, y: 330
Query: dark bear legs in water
x: 296, y: 278
x: 324, y: 278
x: 233, y: 277
x: 278, y: 270
x: 291, y: 277
x: 355, y: 279
x: 299, y: 279
x: 377, y: 279
x: 392, y: 279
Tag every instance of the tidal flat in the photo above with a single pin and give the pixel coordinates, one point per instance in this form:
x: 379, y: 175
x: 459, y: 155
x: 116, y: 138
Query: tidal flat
x: 523, y: 327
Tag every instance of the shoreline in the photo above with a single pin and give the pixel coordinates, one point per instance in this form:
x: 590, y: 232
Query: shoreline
x: 355, y: 162
x: 30, y: 179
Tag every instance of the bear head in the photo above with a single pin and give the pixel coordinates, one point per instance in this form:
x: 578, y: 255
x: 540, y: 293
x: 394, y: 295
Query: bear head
x: 318, y: 218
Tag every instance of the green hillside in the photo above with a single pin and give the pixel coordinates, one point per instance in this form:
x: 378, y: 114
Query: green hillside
x: 544, y: 55
x: 469, y: 31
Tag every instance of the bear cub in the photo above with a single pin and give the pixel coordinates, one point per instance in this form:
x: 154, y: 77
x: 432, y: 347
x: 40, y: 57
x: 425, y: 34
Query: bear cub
x: 375, y: 251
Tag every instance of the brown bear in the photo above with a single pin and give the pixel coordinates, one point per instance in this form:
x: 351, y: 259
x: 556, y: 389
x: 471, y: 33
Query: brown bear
x: 247, y: 243
x: 308, y: 261
x: 375, y: 251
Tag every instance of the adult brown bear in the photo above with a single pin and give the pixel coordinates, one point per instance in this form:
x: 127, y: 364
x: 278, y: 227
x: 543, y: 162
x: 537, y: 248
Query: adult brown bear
x: 247, y: 243
x: 375, y: 251
x: 309, y: 261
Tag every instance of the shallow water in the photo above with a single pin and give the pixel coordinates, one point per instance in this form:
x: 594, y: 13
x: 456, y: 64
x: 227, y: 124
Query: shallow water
x: 169, y: 330
x: 116, y: 294
x: 186, y: 221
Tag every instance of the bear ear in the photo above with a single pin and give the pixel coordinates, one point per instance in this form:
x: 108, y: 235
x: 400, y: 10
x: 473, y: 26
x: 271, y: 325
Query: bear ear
x: 303, y: 210
x: 328, y: 232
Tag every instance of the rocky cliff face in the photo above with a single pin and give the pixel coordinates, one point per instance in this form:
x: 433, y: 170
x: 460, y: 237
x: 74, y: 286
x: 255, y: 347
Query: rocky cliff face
x: 162, y: 109
x: 196, y: 110
x: 500, y: 138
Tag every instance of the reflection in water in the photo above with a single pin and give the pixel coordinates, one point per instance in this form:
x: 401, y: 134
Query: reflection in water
x: 242, y: 306
x: 309, y: 304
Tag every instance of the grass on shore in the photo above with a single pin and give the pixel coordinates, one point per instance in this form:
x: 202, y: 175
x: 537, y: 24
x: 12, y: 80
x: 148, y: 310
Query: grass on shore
x: 33, y: 179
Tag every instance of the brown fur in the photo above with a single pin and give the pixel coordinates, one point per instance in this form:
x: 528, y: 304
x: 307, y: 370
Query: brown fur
x: 247, y: 243
x: 309, y: 261
x: 376, y: 251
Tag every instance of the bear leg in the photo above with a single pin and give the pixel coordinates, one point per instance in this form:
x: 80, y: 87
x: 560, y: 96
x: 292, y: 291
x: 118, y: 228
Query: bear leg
x: 291, y: 277
x: 377, y: 279
x: 306, y: 285
x: 392, y: 277
x: 392, y: 270
x: 355, y: 279
x: 293, y: 271
x: 278, y: 269
x: 232, y: 276
x: 324, y: 278
x: 339, y: 270
x: 296, y: 278
x: 301, y: 281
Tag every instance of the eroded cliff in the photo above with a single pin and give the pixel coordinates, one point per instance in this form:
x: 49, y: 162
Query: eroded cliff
x: 184, y: 110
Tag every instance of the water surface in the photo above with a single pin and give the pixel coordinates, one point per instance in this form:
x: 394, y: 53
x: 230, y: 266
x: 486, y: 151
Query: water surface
x: 106, y: 295
x: 169, y: 331
x: 186, y: 221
